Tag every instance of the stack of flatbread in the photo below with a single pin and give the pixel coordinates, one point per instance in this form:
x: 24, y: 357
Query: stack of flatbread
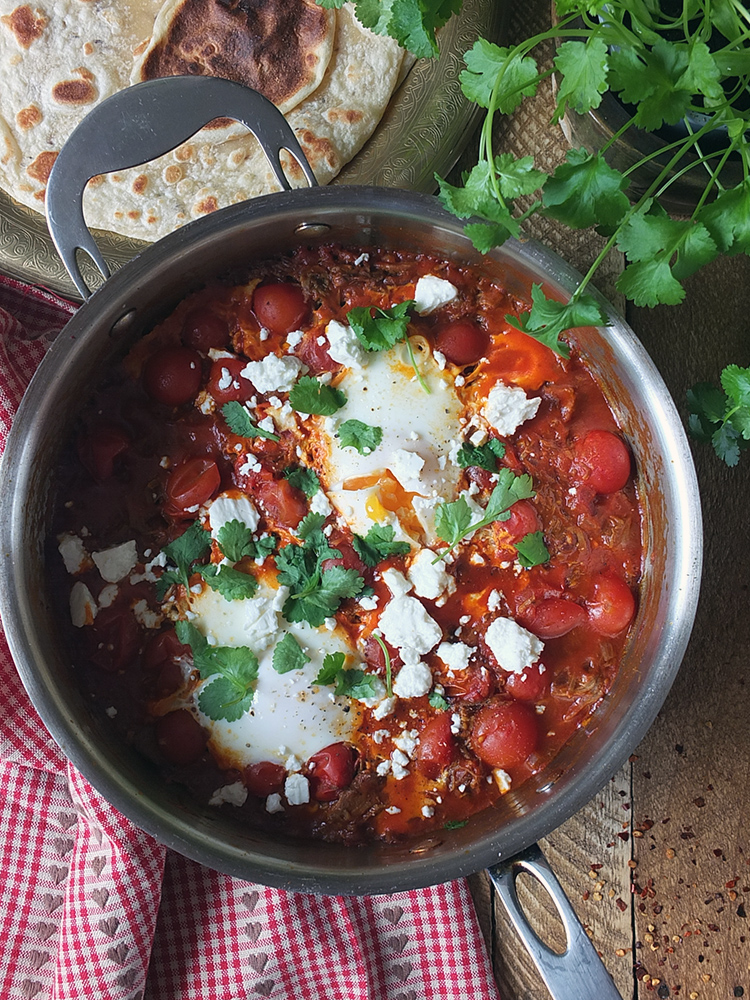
x: 331, y: 78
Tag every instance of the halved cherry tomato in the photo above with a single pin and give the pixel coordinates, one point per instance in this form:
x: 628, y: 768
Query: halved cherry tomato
x: 331, y: 771
x: 172, y: 375
x: 99, y: 447
x: 283, y: 503
x: 190, y: 484
x: 504, y: 733
x: 316, y: 355
x: 556, y: 616
x: 523, y: 520
x: 264, y: 778
x: 612, y: 607
x: 226, y: 383
x: 606, y: 458
x: 471, y: 685
x: 280, y: 307
x: 115, y: 636
x: 531, y: 685
x: 163, y: 647
x: 462, y: 342
x: 437, y: 746
x: 180, y: 737
x: 202, y: 329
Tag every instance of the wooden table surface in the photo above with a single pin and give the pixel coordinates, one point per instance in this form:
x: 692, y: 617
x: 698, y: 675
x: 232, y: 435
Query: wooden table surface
x: 657, y: 865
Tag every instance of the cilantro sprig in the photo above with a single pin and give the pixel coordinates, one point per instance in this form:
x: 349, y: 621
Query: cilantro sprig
x: 303, y: 478
x: 532, y: 550
x: 357, y: 434
x: 241, y: 423
x: 412, y: 23
x: 352, y: 683
x: 721, y: 416
x: 229, y: 674
x: 485, y: 456
x: 381, y: 329
x: 182, y: 554
x: 378, y: 544
x: 309, y: 395
x: 453, y: 521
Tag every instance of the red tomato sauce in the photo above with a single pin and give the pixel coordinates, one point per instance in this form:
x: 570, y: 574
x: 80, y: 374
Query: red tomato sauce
x: 154, y: 449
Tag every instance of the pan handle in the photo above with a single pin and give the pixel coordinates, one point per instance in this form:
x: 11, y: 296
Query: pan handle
x: 137, y: 125
x: 578, y: 971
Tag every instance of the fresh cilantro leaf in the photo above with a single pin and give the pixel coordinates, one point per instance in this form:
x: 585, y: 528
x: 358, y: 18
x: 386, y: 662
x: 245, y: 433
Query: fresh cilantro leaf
x: 240, y: 422
x: 235, y: 539
x: 735, y: 382
x: 378, y: 544
x: 725, y: 440
x: 548, y: 318
x: 453, y: 520
x: 478, y: 197
x: 454, y: 824
x: 585, y: 191
x: 655, y: 81
x: 356, y: 683
x: 438, y: 702
x: 583, y: 76
x: 231, y: 583
x: 303, y: 478
x: 499, y: 75
x: 333, y: 663
x: 308, y: 395
x: 315, y: 593
x: 311, y: 527
x: 485, y: 456
x: 722, y: 415
x: 193, y: 544
x: 517, y: 176
x: 380, y: 329
x: 289, y: 655
x: 531, y: 550
x: 412, y: 23
x: 356, y: 434
x: 727, y: 219
x: 234, y: 670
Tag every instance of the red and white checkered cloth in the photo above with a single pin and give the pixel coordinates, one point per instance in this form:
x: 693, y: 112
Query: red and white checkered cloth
x: 92, y: 907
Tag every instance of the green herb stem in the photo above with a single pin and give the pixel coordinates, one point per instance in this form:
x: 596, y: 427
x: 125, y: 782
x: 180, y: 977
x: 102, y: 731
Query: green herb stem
x: 388, y: 672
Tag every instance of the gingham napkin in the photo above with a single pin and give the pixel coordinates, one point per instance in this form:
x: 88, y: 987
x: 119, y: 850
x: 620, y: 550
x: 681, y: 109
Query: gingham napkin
x: 91, y: 907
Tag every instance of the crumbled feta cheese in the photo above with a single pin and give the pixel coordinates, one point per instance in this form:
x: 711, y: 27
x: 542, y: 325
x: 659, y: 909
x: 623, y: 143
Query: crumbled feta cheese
x: 376, y: 698
x: 294, y: 338
x: 455, y: 655
x: 114, y: 564
x: 478, y: 437
x: 107, y: 595
x: 343, y: 345
x: 383, y: 768
x: 145, y: 616
x: 267, y: 424
x: 73, y: 552
x: 439, y: 359
x: 507, y: 407
x: 379, y: 735
x: 368, y: 603
x: 363, y: 258
x: 428, y: 811
x: 293, y: 764
x: 432, y: 292
x: 406, y: 467
x: 456, y: 723
x: 502, y: 780
x: 273, y: 373
x: 225, y: 508
x: 406, y: 624
x: 396, y: 582
x: 413, y: 680
x: 407, y: 742
x: 273, y: 803
x: 235, y: 794
x: 429, y: 578
x: 297, y: 789
x: 250, y: 464
x: 320, y: 504
x: 82, y: 605
x: 513, y: 647
x: 384, y: 708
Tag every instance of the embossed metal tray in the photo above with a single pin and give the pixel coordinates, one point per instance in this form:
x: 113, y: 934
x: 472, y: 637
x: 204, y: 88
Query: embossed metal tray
x: 425, y: 129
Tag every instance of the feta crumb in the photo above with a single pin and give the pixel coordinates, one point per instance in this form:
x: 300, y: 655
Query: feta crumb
x: 250, y: 464
x: 393, y: 810
x: 396, y: 582
x: 293, y: 764
x: 235, y: 794
x: 513, y: 647
x: 384, y: 708
x: 362, y: 259
x: 73, y: 552
x: 343, y: 345
x: 107, y: 595
x: 432, y: 292
x: 494, y: 600
x: 502, y: 780
x: 267, y: 424
x: 407, y: 742
x: 456, y: 723
x: 225, y: 508
x: 455, y: 655
x: 383, y: 768
x: 114, y: 564
x: 413, y: 680
x: 273, y: 803
x: 379, y: 735
x: 428, y: 811
x: 82, y: 605
x: 368, y: 603
x: 406, y: 467
x: 273, y: 373
x: 145, y: 616
x: 439, y: 359
x: 297, y: 789
x: 320, y: 504
x: 294, y: 338
x: 478, y: 437
x: 406, y: 624
x: 429, y: 578
x: 507, y: 407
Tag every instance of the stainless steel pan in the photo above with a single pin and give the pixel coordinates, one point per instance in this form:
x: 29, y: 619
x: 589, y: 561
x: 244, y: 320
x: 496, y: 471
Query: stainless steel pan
x: 150, y: 119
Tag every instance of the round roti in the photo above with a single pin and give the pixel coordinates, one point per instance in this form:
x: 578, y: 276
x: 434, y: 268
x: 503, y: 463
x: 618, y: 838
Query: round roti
x: 59, y: 63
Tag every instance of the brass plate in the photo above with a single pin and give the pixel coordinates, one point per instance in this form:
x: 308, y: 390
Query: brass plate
x: 425, y: 129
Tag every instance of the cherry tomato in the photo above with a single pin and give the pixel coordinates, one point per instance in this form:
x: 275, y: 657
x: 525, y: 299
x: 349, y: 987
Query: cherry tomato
x: 163, y: 647
x: 280, y: 307
x: 202, y: 329
x: 99, y: 448
x: 264, y: 778
x: 607, y: 459
x: 482, y: 477
x: 316, y: 355
x: 523, y: 520
x: 180, y: 737
x: 172, y: 375
x: 437, y: 746
x: 283, y: 503
x: 462, y: 342
x: 226, y: 383
x: 504, y: 733
x: 531, y: 685
x: 331, y: 771
x: 471, y: 685
x: 556, y: 616
x: 190, y: 484
x: 115, y: 637
x: 612, y: 607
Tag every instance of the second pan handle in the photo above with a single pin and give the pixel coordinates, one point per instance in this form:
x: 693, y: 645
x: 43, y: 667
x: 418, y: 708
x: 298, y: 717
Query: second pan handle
x: 141, y: 123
